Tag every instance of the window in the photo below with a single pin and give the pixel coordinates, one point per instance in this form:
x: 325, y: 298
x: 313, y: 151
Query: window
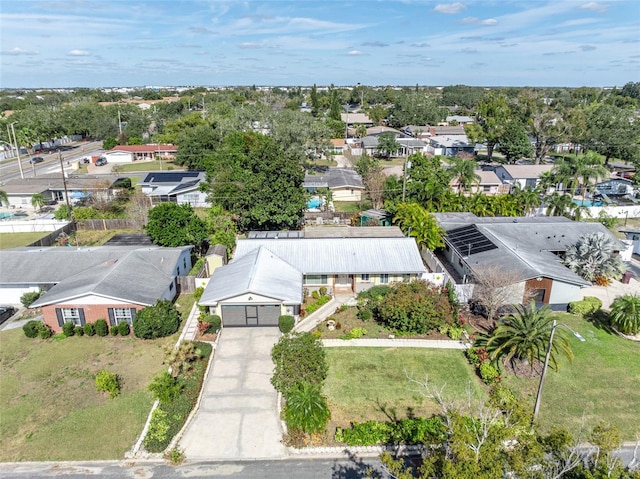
x: 365, y: 277
x: 121, y: 315
x: 184, y: 263
x: 486, y: 188
x: 71, y: 314
x: 315, y: 279
x: 384, y: 278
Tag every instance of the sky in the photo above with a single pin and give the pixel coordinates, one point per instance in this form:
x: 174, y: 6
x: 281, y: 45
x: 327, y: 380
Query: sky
x: 107, y: 43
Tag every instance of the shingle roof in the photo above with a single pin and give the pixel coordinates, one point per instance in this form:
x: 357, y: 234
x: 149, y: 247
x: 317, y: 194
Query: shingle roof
x: 132, y: 273
x: 158, y: 177
x: 259, y: 272
x: 342, y: 255
x: 334, y: 178
x: 526, y: 171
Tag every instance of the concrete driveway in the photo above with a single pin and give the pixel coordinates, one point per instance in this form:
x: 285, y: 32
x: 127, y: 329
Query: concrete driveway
x: 238, y: 417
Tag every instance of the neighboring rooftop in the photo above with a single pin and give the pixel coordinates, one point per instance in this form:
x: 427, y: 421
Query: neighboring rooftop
x: 352, y: 232
x: 334, y: 178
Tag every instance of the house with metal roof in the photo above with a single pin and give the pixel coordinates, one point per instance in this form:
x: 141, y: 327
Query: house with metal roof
x: 450, y: 145
x: 522, y: 176
x: 344, y: 183
x: 131, y: 153
x: 268, y: 275
x: 529, y: 248
x: 181, y: 187
x: 88, y: 283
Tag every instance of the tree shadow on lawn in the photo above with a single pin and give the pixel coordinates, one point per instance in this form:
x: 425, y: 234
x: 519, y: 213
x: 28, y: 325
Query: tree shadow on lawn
x: 600, y: 320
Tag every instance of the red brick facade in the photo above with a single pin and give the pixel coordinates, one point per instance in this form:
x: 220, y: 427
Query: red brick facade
x: 92, y: 312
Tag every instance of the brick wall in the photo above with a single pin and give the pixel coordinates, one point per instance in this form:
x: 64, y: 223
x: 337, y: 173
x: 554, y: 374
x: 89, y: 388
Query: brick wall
x: 92, y: 312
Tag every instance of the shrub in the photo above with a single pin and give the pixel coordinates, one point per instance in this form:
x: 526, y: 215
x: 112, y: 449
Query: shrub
x: 588, y: 305
x: 298, y: 358
x: 455, y: 332
x: 364, y: 314
x: 197, y: 294
x: 489, y: 373
x: 90, y: 329
x: 79, y: 331
x: 158, y: 428
x: 44, y: 331
x: 375, y: 292
x: 165, y: 388
x: 27, y: 298
x: 157, y: 321
x: 286, y: 323
x: 315, y: 306
x: 123, y: 328
x: 175, y: 456
x: 113, y: 330
x: 214, y: 321
x: 625, y: 313
x: 417, y: 430
x: 31, y: 328
x: 364, y: 434
x: 101, y: 327
x: 322, y: 290
x: 68, y: 329
x: 306, y: 408
x: 108, y: 382
x: 315, y: 295
x: 356, y: 333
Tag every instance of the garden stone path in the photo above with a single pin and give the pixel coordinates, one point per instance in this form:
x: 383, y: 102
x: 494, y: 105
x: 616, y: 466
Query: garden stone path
x: 238, y: 413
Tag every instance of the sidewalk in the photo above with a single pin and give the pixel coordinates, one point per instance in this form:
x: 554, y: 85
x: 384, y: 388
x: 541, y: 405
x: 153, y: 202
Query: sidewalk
x: 317, y: 317
x: 191, y: 327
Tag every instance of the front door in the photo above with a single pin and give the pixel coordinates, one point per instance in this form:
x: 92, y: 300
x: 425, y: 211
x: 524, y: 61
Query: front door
x: 344, y: 283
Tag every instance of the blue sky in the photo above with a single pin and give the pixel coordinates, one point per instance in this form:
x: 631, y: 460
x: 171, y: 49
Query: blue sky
x: 94, y: 43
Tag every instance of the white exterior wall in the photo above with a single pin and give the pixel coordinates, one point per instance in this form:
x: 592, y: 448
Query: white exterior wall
x: 118, y: 157
x: 347, y: 194
x: 193, y: 198
x: 562, y: 293
x: 11, y: 294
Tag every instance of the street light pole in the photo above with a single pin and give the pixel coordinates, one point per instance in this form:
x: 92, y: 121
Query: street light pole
x: 64, y: 184
x: 536, y: 407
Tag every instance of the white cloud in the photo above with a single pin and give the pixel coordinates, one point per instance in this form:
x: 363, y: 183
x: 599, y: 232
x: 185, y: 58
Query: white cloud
x: 476, y: 21
x: 355, y: 53
x: 249, y: 45
x: 595, y: 6
x: 489, y: 22
x: 79, y: 53
x: 449, y: 8
x: 19, y: 51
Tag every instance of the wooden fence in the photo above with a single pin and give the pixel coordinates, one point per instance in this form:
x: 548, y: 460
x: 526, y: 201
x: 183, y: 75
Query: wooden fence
x: 113, y: 224
x: 186, y: 284
x: 52, y: 237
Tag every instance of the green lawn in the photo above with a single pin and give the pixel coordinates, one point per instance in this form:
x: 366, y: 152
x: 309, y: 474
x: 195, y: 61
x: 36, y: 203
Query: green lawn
x: 49, y: 407
x: 13, y: 240
x: 602, y: 382
x: 363, y: 381
x: 154, y: 165
x: 99, y: 237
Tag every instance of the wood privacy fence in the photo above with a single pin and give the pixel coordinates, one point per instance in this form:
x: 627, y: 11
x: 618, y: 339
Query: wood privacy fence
x: 113, y: 224
x: 186, y: 284
x: 52, y: 237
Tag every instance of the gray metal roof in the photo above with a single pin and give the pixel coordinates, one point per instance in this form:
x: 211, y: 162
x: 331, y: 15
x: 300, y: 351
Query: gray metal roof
x: 334, y: 178
x: 341, y: 255
x: 525, y: 245
x: 131, y: 273
x: 259, y: 272
x: 341, y: 231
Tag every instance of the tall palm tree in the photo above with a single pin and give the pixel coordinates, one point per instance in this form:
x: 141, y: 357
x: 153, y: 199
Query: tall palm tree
x: 591, y: 167
x: 464, y: 172
x: 558, y: 204
x: 524, y: 336
x: 38, y: 201
x: 527, y: 200
x: 361, y: 130
x: 625, y: 313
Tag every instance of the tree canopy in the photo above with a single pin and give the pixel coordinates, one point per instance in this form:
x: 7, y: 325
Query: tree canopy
x: 174, y: 225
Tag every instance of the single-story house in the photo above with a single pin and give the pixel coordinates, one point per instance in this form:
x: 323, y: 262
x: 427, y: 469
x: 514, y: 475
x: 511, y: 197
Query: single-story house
x: 268, y: 276
x: 522, y: 176
x: 450, y: 145
x: 454, y: 120
x: 337, y: 145
x: 344, y: 183
x: 181, y: 187
x: 615, y: 187
x: 131, y: 153
x: 20, y: 191
x: 354, y: 119
x: 488, y: 184
x: 634, y: 237
x: 88, y: 283
x: 530, y: 248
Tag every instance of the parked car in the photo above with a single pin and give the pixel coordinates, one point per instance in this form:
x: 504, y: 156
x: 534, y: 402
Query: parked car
x: 101, y: 161
x: 36, y: 159
x: 6, y: 312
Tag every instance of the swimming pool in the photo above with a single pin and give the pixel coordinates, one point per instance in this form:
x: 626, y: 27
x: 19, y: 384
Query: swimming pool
x: 314, y: 203
x: 588, y: 203
x: 6, y: 216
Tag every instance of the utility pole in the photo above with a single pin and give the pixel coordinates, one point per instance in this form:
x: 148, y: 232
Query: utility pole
x: 119, y: 123
x: 64, y: 184
x: 407, y: 166
x: 15, y: 142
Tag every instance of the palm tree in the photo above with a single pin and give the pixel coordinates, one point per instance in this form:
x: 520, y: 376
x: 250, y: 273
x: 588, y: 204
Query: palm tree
x: 417, y: 222
x: 306, y: 408
x: 524, y: 336
x: 38, y: 201
x: 528, y: 200
x: 558, y: 204
x: 592, y: 256
x: 625, y: 313
x: 361, y: 130
x: 4, y: 198
x: 464, y: 172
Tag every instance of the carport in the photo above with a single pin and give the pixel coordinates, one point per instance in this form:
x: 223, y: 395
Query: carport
x: 254, y: 291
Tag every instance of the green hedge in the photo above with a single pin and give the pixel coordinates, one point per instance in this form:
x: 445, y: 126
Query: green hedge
x: 313, y: 307
x: 286, y: 323
x: 417, y: 430
x: 588, y: 305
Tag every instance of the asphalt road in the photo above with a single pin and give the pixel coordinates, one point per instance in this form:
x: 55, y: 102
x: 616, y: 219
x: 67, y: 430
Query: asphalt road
x: 9, y: 168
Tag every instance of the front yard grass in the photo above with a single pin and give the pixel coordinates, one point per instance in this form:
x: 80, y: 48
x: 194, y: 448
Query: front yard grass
x: 49, y: 406
x: 362, y: 382
x: 602, y: 383
x: 154, y: 165
x: 14, y: 240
